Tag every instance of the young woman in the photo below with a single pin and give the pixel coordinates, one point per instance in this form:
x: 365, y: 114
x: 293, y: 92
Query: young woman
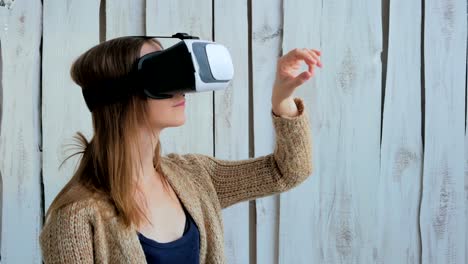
x: 127, y: 203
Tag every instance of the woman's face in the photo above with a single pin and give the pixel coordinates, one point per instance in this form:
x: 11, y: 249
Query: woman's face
x: 163, y: 112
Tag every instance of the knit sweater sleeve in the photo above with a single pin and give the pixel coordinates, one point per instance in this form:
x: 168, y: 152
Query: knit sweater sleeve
x: 288, y: 166
x: 67, y: 236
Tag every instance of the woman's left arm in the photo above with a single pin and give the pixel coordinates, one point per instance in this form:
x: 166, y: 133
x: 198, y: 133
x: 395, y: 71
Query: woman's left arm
x: 291, y: 162
x: 289, y: 165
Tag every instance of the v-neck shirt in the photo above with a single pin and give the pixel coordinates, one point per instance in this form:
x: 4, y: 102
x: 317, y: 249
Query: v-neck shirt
x: 185, y: 249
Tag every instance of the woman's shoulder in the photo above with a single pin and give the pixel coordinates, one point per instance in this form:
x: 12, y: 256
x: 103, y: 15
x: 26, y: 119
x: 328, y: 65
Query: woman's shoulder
x: 177, y: 158
x: 187, y: 159
x: 182, y: 164
x: 68, y: 231
x: 188, y: 166
x: 76, y: 209
x: 85, y: 208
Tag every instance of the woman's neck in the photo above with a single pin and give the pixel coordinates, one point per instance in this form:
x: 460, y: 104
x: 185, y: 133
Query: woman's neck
x: 148, y: 143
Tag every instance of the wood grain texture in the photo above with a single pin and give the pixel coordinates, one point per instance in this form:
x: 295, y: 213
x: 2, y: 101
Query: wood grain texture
x: 66, y: 36
x: 232, y: 118
x: 401, y: 158
x: 20, y: 137
x: 267, y: 30
x: 165, y: 18
x: 443, y: 222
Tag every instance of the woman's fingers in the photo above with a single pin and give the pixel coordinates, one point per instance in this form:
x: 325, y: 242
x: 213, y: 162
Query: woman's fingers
x: 315, y: 55
x: 291, y: 61
x: 302, y: 54
x: 301, y: 78
x: 308, y: 55
x: 311, y: 70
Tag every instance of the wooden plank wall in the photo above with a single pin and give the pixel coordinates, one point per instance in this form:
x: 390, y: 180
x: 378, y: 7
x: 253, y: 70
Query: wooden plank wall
x: 231, y: 118
x: 443, y: 220
x: 300, y: 217
x: 388, y: 115
x: 331, y: 212
x: 65, y: 36
x: 20, y: 132
x: 399, y: 189
x: 266, y: 35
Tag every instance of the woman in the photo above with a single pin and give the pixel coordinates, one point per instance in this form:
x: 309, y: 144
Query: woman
x: 126, y: 203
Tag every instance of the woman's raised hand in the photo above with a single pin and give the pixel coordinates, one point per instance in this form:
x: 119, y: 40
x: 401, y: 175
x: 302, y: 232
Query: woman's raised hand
x: 287, y: 80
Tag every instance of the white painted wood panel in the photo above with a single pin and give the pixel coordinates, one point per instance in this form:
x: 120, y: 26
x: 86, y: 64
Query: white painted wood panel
x: 267, y: 27
x: 66, y: 36
x: 299, y: 210
x: 20, y: 132
x: 165, y: 18
x: 466, y: 174
x: 345, y: 111
x: 349, y: 133
x: 401, y: 152
x: 443, y: 222
x: 232, y: 118
x: 125, y: 18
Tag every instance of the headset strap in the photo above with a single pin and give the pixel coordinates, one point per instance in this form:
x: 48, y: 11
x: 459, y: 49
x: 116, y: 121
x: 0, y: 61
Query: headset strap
x: 179, y: 35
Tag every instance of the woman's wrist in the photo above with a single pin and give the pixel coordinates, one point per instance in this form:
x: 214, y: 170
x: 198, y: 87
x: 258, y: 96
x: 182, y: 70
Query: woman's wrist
x: 284, y: 107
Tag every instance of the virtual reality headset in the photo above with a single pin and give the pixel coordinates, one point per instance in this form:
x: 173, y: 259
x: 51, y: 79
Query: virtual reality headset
x: 189, y: 66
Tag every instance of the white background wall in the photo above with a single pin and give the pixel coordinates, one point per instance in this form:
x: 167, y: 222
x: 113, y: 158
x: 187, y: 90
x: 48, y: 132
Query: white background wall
x: 388, y: 114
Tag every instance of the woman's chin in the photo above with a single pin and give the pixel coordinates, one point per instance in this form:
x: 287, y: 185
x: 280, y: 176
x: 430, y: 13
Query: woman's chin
x: 178, y: 122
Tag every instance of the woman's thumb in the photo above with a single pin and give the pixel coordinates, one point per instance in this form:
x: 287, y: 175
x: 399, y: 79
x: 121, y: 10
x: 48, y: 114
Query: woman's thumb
x: 301, y: 78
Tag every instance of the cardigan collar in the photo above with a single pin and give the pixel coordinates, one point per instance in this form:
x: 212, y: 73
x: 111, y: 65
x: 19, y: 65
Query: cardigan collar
x: 189, y: 199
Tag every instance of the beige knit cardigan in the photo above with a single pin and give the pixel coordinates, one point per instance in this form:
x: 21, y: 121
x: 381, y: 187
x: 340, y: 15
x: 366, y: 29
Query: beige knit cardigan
x: 90, y: 231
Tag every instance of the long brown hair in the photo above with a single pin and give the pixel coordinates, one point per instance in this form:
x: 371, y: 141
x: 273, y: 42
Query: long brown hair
x: 107, y: 167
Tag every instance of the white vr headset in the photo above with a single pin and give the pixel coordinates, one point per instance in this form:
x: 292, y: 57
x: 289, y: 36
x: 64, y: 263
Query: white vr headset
x: 189, y: 66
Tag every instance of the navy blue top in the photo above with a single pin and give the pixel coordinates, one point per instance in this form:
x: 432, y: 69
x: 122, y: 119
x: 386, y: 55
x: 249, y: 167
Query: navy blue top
x: 185, y: 249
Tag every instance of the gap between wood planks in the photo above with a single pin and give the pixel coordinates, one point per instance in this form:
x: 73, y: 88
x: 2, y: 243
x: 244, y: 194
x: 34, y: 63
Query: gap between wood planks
x: 1, y: 112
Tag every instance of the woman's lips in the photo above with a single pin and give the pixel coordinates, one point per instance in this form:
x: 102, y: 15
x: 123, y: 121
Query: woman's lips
x: 180, y: 104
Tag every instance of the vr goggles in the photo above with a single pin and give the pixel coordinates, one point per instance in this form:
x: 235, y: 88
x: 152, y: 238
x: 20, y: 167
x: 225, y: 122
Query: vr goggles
x: 189, y: 66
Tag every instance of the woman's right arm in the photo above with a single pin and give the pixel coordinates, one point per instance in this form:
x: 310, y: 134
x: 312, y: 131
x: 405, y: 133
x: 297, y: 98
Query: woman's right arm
x: 67, y: 236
